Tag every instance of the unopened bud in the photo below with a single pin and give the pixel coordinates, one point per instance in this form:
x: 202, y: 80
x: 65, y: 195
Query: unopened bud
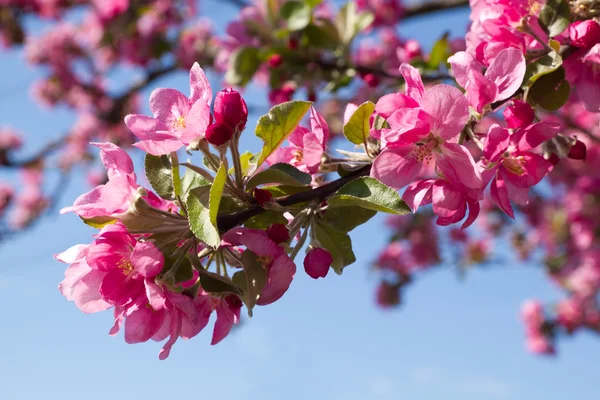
x: 371, y: 79
x: 231, y: 109
x: 584, y: 34
x: 262, y: 196
x: 317, y: 263
x: 275, y: 61
x: 218, y: 133
x: 578, y: 151
x: 278, y: 233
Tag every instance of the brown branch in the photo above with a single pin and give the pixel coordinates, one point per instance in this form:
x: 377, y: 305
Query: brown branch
x: 433, y: 6
x: 229, y: 221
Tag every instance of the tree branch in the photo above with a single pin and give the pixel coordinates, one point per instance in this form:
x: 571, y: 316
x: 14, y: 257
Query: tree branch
x: 433, y: 6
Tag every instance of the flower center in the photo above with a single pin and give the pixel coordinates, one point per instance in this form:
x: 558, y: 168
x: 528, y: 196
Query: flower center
x: 125, y: 266
x: 179, y: 123
x: 514, y: 164
x: 423, y: 152
x: 298, y: 155
x: 265, y: 261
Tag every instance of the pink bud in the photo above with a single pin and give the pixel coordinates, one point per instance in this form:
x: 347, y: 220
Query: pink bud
x: 231, y: 109
x: 275, y: 60
x: 278, y: 233
x: 371, y: 79
x: 578, y: 151
x: 317, y: 263
x: 218, y: 133
x: 387, y: 295
x: 584, y: 33
x: 519, y: 114
x: 262, y: 196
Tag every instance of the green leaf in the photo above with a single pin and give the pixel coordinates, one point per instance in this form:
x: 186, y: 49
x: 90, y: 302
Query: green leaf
x: 206, y: 161
x: 274, y: 127
x: 554, y: 17
x: 99, y: 222
x: 439, y: 52
x: 296, y: 14
x: 345, y: 219
x: 551, y: 91
x: 191, y: 180
x: 338, y: 244
x: 542, y: 66
x: 350, y: 22
x: 200, y: 223
x: 356, y: 130
x: 160, y: 175
x: 247, y: 161
x: 312, y: 3
x: 285, y: 174
x: 285, y: 190
x: 215, y: 283
x: 243, y: 64
x: 251, y: 280
x: 216, y: 192
x: 369, y: 193
x: 322, y: 36
x: 265, y: 220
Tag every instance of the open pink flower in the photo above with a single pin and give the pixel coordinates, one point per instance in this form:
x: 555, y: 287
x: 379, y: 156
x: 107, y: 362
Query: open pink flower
x: 307, y: 146
x: 449, y: 200
x: 178, y: 120
x: 516, y: 167
x: 422, y: 123
x: 113, y: 198
x: 271, y: 255
x: 501, y: 79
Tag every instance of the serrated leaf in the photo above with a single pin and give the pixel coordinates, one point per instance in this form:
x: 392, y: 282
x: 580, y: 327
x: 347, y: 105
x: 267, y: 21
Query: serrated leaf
x: 345, y: 219
x: 200, y: 223
x: 243, y: 64
x: 296, y: 14
x: 216, y: 192
x: 369, y: 193
x: 160, y: 175
x: 439, y: 52
x: 338, y: 244
x: 282, y: 173
x: 251, y: 280
x: 356, y: 130
x: 274, y: 127
x: 551, y: 91
x: 191, y: 180
x: 265, y: 220
x: 542, y: 66
x: 554, y: 17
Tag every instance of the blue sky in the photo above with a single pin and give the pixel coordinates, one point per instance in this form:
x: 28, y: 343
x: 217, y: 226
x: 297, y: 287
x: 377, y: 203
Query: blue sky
x: 325, y: 339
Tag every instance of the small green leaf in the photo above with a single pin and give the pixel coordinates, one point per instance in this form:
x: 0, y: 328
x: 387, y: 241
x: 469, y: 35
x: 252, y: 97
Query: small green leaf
x: 265, y: 220
x: 99, y: 222
x: 350, y: 22
x: 338, y: 244
x: 160, y: 175
x: 439, y: 52
x: 312, y: 3
x: 216, y: 192
x: 200, y: 223
x: 297, y: 15
x: 251, y: 280
x: 554, y: 17
x: 285, y: 190
x: 551, y: 91
x: 274, y: 127
x: 345, y: 219
x: 322, y: 36
x: 176, y: 176
x: 243, y: 64
x: 282, y: 173
x: 191, y: 180
x: 247, y: 161
x: 215, y: 283
x: 369, y: 193
x: 542, y: 66
x: 356, y: 130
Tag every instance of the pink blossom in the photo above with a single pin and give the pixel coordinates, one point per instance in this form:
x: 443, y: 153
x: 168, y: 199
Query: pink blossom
x: 516, y: 167
x: 9, y: 139
x: 422, y: 126
x: 272, y: 256
x: 583, y: 73
x: 109, y: 9
x: 519, y: 114
x: 317, y: 263
x: 584, y: 34
x: 6, y: 194
x: 501, y: 80
x: 178, y: 120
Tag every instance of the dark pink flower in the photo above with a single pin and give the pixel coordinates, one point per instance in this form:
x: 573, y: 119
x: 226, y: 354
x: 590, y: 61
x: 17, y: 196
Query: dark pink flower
x: 317, y: 262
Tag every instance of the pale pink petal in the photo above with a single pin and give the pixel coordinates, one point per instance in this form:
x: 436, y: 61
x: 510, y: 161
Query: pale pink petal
x: 418, y: 194
x: 119, y: 317
x: 408, y: 125
x: 448, y: 109
x: 199, y: 86
x: 318, y: 126
x: 480, y: 90
x: 461, y: 63
x: 142, y: 324
x: 155, y: 295
x: 457, y: 164
x: 390, y: 103
x: 396, y: 166
x: 496, y: 143
x: 168, y: 105
x: 312, y: 152
x: 414, y: 83
x: 145, y: 127
x: 499, y: 196
x: 159, y: 147
x: 147, y: 259
x: 507, y: 72
x: 536, y: 134
x: 196, y: 122
x: 350, y: 108
x: 72, y: 254
x: 447, y: 201
x: 115, y: 159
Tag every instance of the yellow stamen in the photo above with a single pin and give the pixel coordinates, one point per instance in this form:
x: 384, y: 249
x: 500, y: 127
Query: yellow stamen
x: 180, y: 123
x: 125, y: 266
x: 265, y: 261
x: 514, y: 165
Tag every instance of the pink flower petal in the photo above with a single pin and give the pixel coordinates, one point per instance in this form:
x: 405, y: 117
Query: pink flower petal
x: 414, y: 84
x: 499, y: 196
x: 462, y: 62
x: 418, y: 193
x: 318, y: 126
x: 536, y: 134
x: 448, y: 109
x: 480, y: 90
x: 145, y: 127
x: 396, y: 166
x: 535, y: 168
x: 390, y: 103
x: 507, y: 72
x: 142, y: 324
x: 457, y: 164
x: 496, y: 143
x: 196, y: 122
x: 147, y: 259
x: 159, y: 147
x: 408, y: 125
x: 199, y: 86
x: 168, y: 105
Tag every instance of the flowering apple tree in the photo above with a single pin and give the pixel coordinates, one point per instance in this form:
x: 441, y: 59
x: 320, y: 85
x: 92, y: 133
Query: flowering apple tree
x: 499, y: 131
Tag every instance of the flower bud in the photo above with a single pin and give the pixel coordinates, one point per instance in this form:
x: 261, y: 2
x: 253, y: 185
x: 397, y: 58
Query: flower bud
x: 519, y: 114
x: 371, y: 79
x: 231, y: 109
x: 262, y: 196
x: 218, y: 133
x: 278, y: 233
x: 275, y: 61
x: 584, y: 33
x: 578, y: 151
x: 317, y: 263
x: 387, y: 295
